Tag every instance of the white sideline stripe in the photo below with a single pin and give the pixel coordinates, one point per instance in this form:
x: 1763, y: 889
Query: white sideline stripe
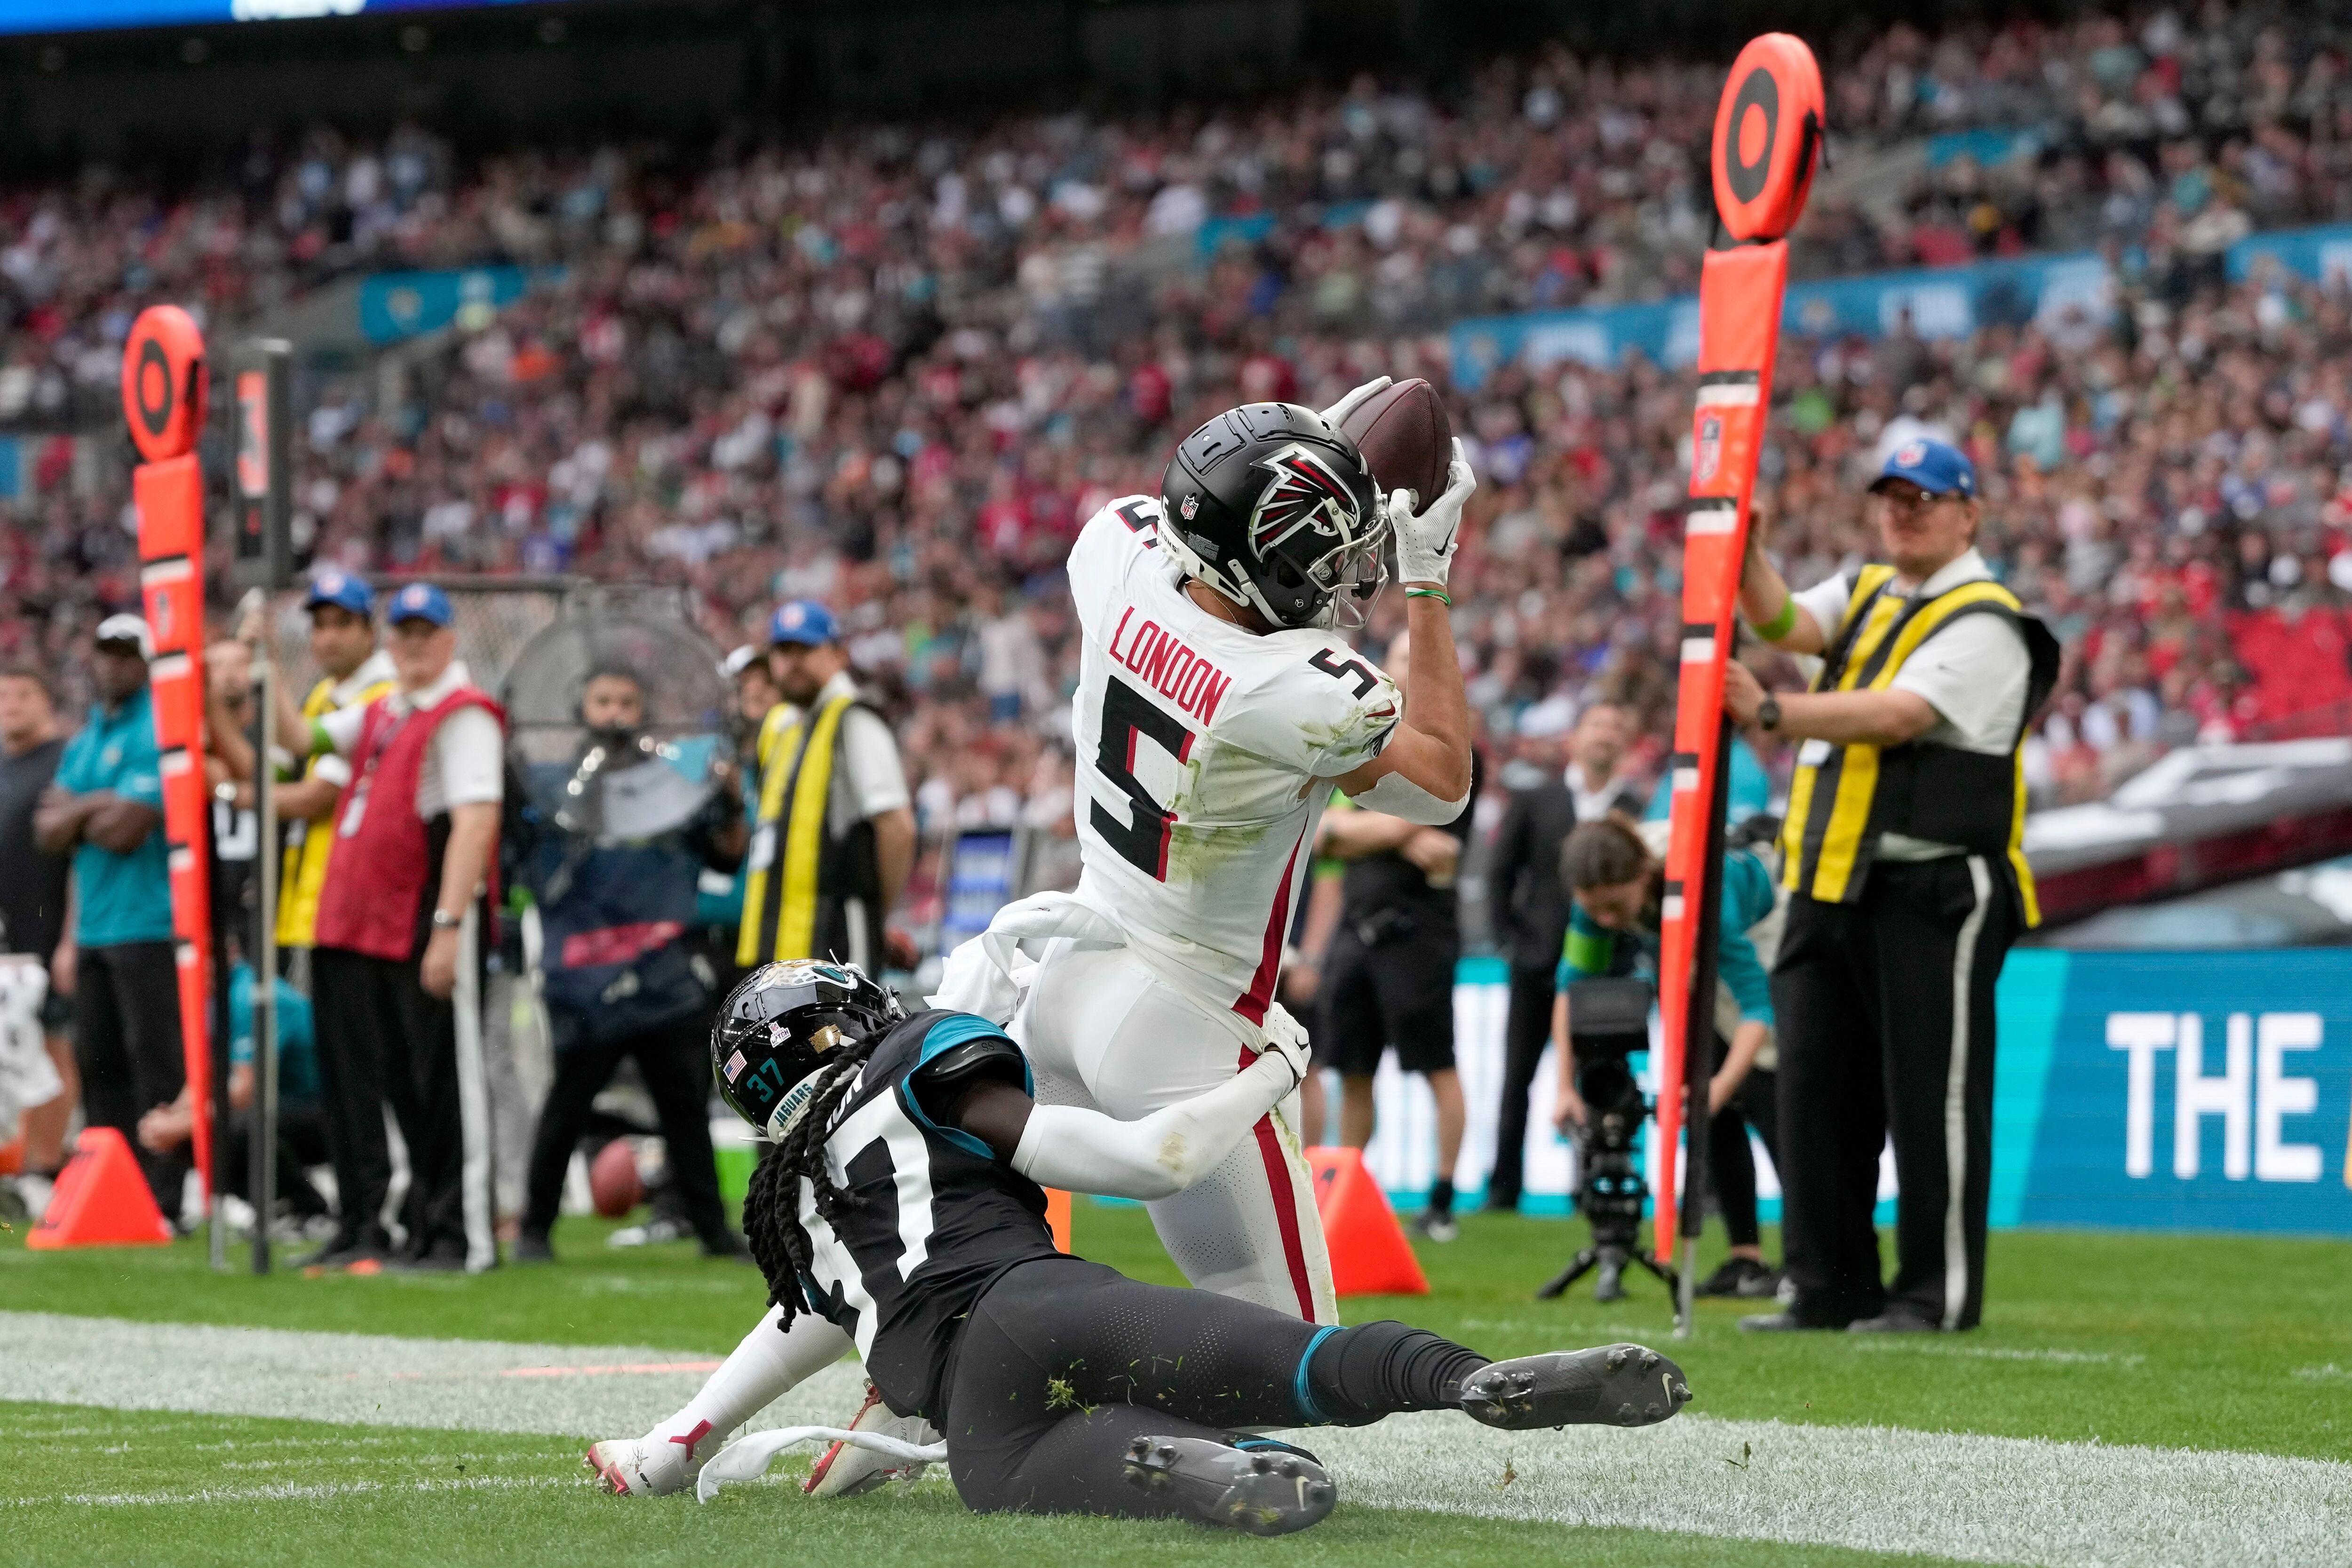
x: 484, y: 1385
x: 1991, y: 1500
x: 296, y: 1492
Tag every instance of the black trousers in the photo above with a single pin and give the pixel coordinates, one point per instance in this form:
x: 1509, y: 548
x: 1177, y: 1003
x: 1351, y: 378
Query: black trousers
x: 674, y: 1059
x: 373, y: 1016
x: 1730, y: 1163
x: 1063, y: 1363
x: 1526, y: 1034
x: 1885, y: 1010
x: 301, y: 1143
x: 127, y: 1044
x: 351, y: 1093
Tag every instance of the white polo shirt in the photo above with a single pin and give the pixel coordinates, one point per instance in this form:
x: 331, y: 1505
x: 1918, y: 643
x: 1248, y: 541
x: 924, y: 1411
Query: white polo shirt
x: 465, y: 761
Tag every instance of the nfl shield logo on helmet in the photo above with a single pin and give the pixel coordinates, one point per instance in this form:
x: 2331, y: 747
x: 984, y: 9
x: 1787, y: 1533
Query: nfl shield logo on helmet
x: 1191, y: 509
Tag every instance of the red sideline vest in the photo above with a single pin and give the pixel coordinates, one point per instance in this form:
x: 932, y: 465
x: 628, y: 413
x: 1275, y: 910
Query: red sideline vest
x: 369, y: 903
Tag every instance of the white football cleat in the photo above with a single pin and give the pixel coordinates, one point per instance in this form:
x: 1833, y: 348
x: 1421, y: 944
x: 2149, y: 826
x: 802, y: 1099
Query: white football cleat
x: 650, y: 1467
x: 846, y: 1471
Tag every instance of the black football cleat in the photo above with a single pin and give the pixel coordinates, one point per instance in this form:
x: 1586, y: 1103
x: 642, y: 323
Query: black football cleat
x: 1271, y: 1490
x: 1608, y: 1385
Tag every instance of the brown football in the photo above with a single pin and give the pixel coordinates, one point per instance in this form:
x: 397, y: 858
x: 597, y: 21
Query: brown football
x: 614, y: 1184
x: 1404, y: 437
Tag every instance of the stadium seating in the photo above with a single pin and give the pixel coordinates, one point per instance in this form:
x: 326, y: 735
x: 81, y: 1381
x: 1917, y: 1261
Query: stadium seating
x: 898, y: 367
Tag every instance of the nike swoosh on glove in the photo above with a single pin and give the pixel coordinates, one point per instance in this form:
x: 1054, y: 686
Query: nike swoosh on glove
x: 1286, y: 1037
x: 1424, y: 545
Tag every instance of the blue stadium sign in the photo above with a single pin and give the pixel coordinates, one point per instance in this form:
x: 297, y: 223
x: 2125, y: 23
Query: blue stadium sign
x: 93, y: 15
x: 2176, y: 1091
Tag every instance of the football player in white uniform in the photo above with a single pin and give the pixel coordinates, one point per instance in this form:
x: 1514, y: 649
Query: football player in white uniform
x: 1216, y: 708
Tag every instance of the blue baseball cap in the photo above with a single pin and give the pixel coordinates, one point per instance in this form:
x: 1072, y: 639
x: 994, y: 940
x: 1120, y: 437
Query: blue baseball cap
x: 420, y: 602
x: 342, y: 589
x: 805, y: 622
x: 1936, y: 467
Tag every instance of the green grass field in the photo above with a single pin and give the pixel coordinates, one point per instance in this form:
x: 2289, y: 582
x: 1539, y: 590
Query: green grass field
x: 2241, y: 1346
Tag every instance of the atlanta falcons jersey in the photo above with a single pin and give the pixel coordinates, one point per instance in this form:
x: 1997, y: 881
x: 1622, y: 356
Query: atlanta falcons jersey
x: 935, y: 1215
x: 1198, y: 745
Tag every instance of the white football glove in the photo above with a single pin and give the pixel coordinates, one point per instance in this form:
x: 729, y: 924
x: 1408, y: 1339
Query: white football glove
x: 1286, y: 1037
x: 1347, y: 406
x: 1424, y: 543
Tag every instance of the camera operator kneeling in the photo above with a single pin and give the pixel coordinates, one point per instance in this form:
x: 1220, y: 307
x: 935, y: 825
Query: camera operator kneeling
x: 1614, y: 875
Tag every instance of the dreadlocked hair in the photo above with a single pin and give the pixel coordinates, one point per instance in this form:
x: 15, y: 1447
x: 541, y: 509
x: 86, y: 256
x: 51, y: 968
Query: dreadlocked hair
x: 771, y: 1209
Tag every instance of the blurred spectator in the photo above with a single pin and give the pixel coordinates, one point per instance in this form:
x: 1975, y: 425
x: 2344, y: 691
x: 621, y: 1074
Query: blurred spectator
x: 399, y: 944
x: 107, y: 808
x: 353, y: 673
x: 1528, y: 913
x: 1596, y: 746
x: 829, y: 777
x: 301, y: 1134
x: 34, y: 882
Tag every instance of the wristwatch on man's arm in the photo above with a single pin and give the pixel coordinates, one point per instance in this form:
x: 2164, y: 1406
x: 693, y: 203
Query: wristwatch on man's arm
x: 1768, y: 717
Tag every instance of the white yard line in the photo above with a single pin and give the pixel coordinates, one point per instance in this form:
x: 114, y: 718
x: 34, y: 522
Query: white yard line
x: 1994, y: 1499
x: 296, y: 1492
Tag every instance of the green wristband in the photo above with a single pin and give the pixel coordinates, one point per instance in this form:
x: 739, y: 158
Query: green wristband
x: 1437, y: 593
x: 1781, y: 624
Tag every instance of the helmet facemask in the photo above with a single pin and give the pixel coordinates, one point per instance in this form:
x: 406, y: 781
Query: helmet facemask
x: 1308, y: 505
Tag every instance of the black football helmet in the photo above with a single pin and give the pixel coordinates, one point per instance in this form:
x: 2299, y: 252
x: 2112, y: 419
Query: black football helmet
x: 1276, y: 511
x: 779, y: 1026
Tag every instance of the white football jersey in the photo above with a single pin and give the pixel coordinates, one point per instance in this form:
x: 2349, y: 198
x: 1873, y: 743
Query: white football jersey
x: 1198, y: 748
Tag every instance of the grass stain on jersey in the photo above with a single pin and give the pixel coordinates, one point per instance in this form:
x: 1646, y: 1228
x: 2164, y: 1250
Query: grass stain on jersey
x: 1198, y: 851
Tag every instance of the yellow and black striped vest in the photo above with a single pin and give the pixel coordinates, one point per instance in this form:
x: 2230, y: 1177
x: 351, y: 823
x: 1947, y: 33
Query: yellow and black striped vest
x: 1842, y: 804
x: 303, y: 871
x: 807, y: 893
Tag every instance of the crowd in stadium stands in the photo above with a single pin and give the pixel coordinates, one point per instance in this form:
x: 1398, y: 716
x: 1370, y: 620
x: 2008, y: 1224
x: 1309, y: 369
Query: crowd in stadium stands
x: 895, y: 370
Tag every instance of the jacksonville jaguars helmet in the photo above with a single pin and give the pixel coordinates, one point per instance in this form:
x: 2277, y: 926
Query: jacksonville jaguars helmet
x: 1276, y: 511
x: 778, y: 1029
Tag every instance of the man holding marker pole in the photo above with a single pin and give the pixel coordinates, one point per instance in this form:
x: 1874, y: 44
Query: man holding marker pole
x: 1909, y: 884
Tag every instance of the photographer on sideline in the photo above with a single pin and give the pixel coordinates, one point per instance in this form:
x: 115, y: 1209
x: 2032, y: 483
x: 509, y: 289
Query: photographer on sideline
x: 618, y: 968
x: 1615, y: 874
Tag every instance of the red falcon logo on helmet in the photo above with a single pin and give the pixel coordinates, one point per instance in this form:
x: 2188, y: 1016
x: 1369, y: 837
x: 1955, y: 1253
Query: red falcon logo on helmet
x: 1305, y: 493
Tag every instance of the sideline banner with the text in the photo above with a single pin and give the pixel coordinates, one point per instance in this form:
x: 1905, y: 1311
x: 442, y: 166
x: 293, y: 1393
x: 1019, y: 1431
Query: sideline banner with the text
x: 2133, y: 1090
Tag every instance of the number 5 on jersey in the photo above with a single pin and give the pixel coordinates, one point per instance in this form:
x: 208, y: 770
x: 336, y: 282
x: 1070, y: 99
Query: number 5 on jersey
x: 1128, y: 717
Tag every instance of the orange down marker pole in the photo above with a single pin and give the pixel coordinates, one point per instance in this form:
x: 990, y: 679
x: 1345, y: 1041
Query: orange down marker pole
x: 1767, y: 143
x: 163, y: 391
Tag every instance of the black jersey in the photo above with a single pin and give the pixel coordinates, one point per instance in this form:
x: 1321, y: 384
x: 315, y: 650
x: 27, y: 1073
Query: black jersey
x: 937, y: 1218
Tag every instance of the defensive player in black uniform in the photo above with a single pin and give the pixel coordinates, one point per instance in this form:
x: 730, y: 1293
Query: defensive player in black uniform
x: 902, y: 1207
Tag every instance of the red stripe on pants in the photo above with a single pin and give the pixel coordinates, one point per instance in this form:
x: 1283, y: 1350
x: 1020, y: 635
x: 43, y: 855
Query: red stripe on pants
x: 1286, y: 1207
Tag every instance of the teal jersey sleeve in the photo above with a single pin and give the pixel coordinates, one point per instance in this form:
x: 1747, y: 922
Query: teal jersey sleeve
x: 1747, y: 898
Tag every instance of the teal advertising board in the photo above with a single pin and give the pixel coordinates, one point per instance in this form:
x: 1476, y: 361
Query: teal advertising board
x: 2176, y: 1091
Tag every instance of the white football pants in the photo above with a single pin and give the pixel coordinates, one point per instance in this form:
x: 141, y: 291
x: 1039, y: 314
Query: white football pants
x: 1103, y: 1031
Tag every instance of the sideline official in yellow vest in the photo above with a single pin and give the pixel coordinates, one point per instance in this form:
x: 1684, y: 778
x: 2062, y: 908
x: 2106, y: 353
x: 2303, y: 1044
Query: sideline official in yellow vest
x: 343, y: 640
x: 835, y: 833
x: 1902, y: 852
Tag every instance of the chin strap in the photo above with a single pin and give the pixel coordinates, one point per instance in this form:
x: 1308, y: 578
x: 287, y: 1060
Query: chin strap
x: 747, y: 1458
